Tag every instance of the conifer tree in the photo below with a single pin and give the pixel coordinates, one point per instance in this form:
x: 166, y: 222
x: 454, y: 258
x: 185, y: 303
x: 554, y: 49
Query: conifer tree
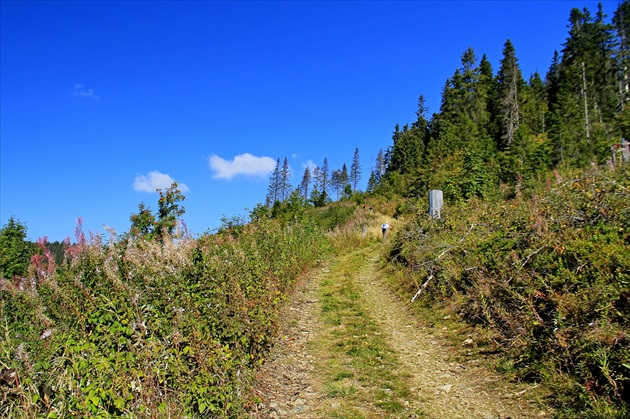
x: 317, y: 178
x: 344, y: 177
x: 372, y: 182
x: 355, y: 170
x: 273, y: 190
x: 335, y: 181
x: 306, y: 181
x: 285, y: 181
x: 621, y: 20
x: 534, y: 104
x: 510, y: 86
x: 15, y: 251
x: 324, y: 176
x: 584, y: 108
x: 380, y: 166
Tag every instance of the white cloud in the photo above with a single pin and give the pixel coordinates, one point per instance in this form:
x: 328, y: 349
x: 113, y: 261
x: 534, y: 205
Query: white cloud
x: 81, y: 91
x: 155, y: 180
x: 309, y: 163
x: 243, y: 164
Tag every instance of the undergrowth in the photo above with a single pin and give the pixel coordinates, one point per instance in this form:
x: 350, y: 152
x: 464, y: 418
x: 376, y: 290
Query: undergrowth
x: 547, y: 273
x: 147, y: 328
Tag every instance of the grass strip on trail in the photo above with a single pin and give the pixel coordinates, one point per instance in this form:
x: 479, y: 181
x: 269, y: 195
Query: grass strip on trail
x: 361, y: 371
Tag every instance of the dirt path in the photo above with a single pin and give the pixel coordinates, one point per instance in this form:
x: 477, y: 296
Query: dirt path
x: 349, y: 348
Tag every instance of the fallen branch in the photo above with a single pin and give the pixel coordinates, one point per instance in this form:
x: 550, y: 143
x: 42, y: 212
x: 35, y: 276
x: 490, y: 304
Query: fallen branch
x: 422, y: 288
x: 532, y: 254
x: 448, y: 249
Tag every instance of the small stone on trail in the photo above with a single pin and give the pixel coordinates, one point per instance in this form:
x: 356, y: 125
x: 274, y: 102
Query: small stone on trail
x: 468, y: 342
x: 446, y: 388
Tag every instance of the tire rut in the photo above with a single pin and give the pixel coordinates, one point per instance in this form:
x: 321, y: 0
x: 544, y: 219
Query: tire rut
x: 290, y: 383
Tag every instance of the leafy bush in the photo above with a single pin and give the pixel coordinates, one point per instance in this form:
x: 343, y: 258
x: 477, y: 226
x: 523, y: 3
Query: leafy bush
x: 148, y: 328
x: 550, y: 275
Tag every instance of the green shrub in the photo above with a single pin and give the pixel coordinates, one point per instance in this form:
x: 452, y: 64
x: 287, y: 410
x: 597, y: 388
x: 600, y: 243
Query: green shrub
x: 149, y: 328
x: 549, y: 275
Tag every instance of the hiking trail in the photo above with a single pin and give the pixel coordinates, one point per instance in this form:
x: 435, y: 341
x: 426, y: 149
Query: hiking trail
x: 350, y: 348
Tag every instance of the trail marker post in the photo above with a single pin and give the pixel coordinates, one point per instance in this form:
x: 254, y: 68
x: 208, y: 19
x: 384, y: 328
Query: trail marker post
x: 436, y: 202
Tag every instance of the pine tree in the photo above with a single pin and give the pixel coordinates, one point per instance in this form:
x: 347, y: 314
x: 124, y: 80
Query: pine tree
x: 372, y: 182
x: 584, y: 108
x: 284, y: 183
x: 464, y: 116
x: 306, y: 181
x: 335, y: 181
x: 15, y: 251
x: 273, y: 190
x: 317, y: 178
x: 510, y: 85
x: 324, y: 177
x: 355, y: 170
x: 380, y: 166
x: 534, y: 104
x: 344, y: 177
x: 621, y: 20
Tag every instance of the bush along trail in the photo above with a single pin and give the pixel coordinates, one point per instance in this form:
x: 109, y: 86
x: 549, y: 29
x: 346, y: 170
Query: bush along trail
x: 349, y: 348
x: 148, y: 328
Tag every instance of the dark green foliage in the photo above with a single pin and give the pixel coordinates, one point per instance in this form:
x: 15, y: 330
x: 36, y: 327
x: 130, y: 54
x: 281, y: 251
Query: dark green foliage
x: 15, y: 251
x: 355, y: 170
x: 549, y: 275
x: 334, y: 215
x: 142, y: 328
x: 319, y: 199
x: 274, y: 188
x: 500, y: 128
x: 57, y: 249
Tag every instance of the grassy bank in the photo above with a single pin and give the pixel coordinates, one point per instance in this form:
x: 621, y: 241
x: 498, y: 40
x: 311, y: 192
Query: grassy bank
x: 547, y: 273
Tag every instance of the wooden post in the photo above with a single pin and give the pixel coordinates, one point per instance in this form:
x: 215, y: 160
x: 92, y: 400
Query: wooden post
x: 436, y: 202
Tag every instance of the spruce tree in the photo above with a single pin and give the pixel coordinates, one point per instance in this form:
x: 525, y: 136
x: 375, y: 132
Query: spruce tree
x: 335, y: 181
x: 15, y: 251
x: 344, y: 177
x: 355, y: 170
x: 306, y: 181
x: 584, y: 107
x: 380, y: 166
x: 510, y: 86
x: 273, y: 190
x: 621, y: 20
x: 324, y: 177
x: 284, y: 183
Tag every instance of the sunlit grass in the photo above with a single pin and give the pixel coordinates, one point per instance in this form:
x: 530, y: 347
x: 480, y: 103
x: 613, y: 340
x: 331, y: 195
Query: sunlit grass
x: 361, y: 369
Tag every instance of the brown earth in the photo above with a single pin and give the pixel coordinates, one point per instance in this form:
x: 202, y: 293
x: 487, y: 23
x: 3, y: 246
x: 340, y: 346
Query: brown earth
x: 443, y: 381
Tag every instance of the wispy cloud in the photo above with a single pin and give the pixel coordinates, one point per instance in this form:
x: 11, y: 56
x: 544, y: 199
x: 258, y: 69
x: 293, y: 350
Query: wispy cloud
x: 243, y: 164
x: 310, y: 164
x: 155, y: 180
x: 80, y: 90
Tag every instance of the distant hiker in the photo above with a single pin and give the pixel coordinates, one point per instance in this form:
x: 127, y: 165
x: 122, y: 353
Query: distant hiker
x: 363, y: 206
x: 384, y: 227
x: 371, y: 208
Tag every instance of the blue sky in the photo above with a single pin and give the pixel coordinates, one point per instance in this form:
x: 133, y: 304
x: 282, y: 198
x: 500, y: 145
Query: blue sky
x: 102, y: 102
